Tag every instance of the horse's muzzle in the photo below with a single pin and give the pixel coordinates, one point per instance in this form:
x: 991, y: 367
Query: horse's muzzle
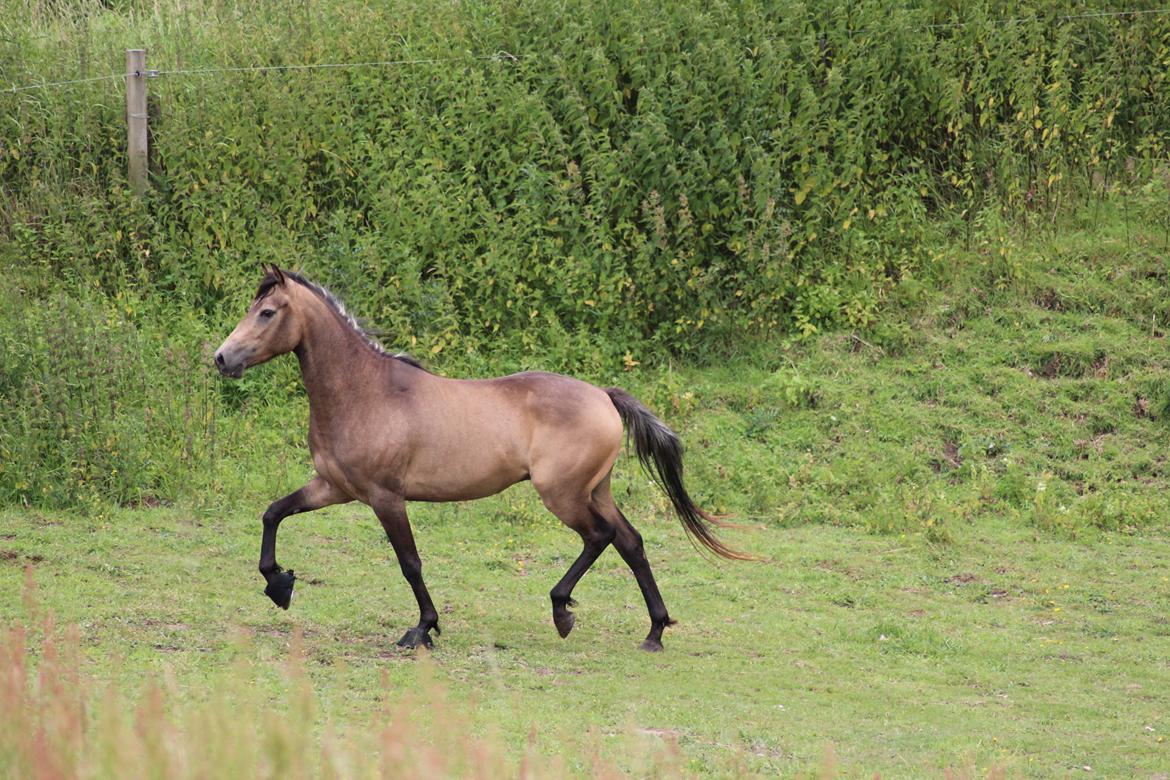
x: 229, y: 370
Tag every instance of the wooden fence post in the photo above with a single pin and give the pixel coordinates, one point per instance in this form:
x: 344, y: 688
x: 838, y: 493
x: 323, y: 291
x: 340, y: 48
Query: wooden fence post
x: 136, y: 151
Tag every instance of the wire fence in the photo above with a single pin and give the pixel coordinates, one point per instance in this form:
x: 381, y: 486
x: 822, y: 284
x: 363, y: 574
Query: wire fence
x: 70, y: 82
x: 500, y: 56
x: 1061, y: 18
x: 503, y: 56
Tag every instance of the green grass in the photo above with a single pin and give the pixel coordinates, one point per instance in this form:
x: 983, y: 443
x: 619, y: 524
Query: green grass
x: 963, y: 514
x: 1006, y: 648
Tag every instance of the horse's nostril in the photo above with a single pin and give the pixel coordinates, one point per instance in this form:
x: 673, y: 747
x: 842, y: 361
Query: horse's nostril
x: 219, y: 359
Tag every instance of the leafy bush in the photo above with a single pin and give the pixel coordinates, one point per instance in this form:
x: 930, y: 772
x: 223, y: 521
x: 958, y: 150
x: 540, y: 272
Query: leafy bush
x: 639, y: 181
x: 641, y: 178
x: 103, y: 407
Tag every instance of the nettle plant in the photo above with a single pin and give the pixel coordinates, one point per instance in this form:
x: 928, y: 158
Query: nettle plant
x: 630, y: 183
x: 636, y: 178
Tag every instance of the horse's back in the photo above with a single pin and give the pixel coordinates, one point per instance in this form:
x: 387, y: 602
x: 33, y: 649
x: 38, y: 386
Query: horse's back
x: 558, y: 400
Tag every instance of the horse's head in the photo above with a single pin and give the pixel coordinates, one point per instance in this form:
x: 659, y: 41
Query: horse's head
x: 271, y: 327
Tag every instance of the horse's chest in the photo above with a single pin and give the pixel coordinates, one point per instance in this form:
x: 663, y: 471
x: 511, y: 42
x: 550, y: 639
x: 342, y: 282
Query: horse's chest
x: 353, y: 460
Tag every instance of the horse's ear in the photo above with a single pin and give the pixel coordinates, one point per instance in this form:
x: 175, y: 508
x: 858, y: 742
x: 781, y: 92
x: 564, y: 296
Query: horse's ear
x: 271, y: 269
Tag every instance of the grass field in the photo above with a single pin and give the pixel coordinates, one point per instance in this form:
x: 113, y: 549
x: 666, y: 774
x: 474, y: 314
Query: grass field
x: 963, y: 515
x: 1003, y: 649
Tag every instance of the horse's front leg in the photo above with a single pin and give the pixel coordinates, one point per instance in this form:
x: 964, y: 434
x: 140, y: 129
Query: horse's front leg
x: 315, y: 495
x: 391, y: 511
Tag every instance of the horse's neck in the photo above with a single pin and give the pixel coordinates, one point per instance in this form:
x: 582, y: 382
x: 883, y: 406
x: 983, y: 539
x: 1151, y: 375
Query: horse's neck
x: 334, y: 361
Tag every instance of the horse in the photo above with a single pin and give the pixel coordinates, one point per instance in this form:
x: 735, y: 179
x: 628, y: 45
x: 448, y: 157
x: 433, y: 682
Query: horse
x: 383, y: 431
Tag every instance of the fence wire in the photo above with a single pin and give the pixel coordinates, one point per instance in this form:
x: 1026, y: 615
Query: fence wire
x: 500, y: 56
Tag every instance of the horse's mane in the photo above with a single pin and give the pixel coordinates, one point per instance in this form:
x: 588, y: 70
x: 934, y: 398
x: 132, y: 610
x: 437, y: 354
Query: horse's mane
x: 272, y: 279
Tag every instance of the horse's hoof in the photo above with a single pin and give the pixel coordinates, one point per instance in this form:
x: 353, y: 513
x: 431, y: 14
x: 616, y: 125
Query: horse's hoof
x: 280, y: 588
x: 415, y: 637
x: 652, y: 646
x: 564, y: 622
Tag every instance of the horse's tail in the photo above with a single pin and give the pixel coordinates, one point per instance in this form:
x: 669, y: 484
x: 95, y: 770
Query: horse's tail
x: 660, y: 452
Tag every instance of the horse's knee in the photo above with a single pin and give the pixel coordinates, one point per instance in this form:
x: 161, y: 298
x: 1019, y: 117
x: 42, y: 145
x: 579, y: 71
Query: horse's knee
x: 272, y: 516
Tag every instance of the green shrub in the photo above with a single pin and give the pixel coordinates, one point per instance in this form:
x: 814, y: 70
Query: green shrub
x: 642, y: 178
x: 101, y: 406
x: 96, y: 408
x: 641, y: 181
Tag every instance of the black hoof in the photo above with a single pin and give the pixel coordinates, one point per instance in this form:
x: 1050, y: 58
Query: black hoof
x: 415, y: 637
x: 280, y: 588
x: 652, y: 646
x: 564, y: 621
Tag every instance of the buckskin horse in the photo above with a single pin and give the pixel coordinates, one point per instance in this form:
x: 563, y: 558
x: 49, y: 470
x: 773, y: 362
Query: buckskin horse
x: 384, y: 431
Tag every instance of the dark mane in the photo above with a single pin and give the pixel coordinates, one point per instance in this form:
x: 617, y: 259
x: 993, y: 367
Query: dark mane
x: 271, y: 280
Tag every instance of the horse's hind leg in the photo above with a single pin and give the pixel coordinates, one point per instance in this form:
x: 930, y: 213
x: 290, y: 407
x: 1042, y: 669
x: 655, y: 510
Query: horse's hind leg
x: 629, y: 544
x: 596, y: 532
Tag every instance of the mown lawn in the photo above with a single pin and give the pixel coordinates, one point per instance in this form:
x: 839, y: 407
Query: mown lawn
x: 963, y: 512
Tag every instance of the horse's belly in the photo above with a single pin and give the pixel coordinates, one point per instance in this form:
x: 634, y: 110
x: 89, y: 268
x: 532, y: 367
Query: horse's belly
x: 461, y: 482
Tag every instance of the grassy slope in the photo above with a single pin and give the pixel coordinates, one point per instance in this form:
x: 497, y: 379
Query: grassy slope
x: 1008, y: 606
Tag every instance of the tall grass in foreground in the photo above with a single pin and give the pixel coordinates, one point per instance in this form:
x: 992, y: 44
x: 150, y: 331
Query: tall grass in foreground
x: 56, y: 721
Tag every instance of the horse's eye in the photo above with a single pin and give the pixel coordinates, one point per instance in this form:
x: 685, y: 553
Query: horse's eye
x: 267, y: 314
